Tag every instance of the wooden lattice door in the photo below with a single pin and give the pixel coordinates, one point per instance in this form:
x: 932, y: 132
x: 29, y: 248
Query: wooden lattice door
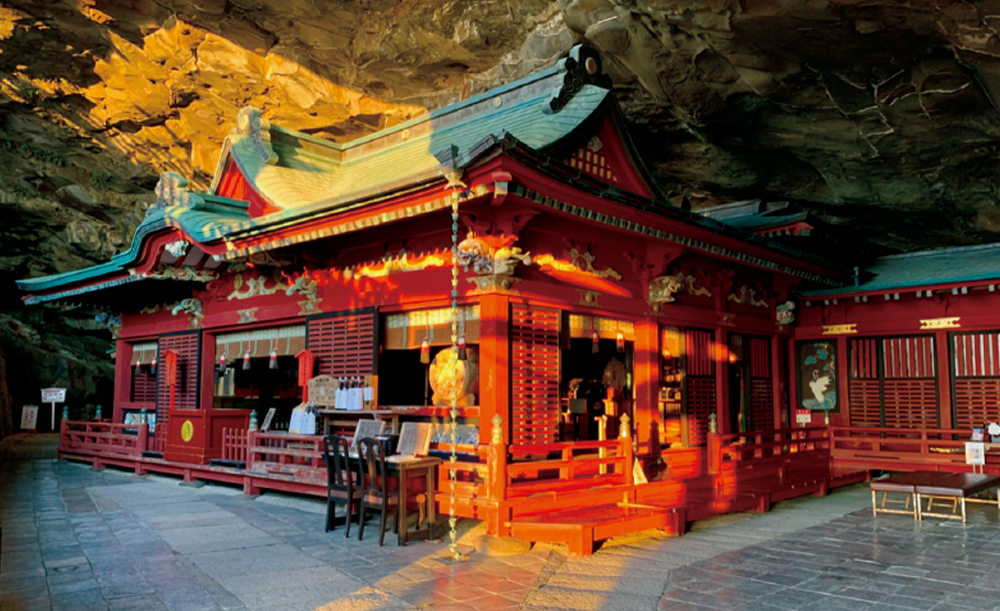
x: 187, y: 345
x: 534, y: 366
x: 699, y: 391
x: 761, y: 404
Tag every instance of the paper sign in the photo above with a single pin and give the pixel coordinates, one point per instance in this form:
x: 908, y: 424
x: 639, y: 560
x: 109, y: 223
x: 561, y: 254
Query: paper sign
x: 414, y: 438
x: 366, y: 428
x: 803, y: 416
x: 53, y: 395
x: 29, y: 417
x: 975, y: 453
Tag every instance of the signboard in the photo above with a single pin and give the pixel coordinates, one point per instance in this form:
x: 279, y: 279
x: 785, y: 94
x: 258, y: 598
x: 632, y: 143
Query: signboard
x: 53, y: 395
x: 803, y: 416
x: 975, y: 453
x: 29, y: 417
x: 818, y: 375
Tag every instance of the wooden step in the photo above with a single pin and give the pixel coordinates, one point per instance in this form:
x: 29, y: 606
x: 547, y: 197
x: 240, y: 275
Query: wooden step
x: 580, y: 529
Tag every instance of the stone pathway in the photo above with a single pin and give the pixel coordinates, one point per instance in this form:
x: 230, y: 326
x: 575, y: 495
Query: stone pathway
x: 80, y: 539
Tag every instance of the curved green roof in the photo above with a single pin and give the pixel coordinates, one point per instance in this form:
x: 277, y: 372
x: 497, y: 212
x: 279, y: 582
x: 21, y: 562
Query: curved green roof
x: 302, y: 175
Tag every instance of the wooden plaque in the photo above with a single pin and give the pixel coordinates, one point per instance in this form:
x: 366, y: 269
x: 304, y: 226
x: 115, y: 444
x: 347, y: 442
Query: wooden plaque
x: 367, y: 427
x: 415, y: 438
x: 267, y: 421
x: 322, y: 390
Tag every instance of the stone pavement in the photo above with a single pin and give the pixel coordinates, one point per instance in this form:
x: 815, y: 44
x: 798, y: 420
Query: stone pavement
x: 80, y: 539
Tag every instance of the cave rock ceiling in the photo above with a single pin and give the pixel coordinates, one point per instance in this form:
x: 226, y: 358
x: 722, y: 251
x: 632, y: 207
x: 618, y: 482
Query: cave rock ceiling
x: 877, y: 115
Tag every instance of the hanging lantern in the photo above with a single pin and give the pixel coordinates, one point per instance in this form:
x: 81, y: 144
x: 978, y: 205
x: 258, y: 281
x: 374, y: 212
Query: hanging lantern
x: 461, y: 349
x: 222, y: 365
x: 246, y: 361
x: 594, y: 343
x: 666, y: 354
x: 425, y: 352
x: 733, y: 358
x: 274, y: 359
x: 138, y: 366
x: 152, y: 366
x: 620, y: 342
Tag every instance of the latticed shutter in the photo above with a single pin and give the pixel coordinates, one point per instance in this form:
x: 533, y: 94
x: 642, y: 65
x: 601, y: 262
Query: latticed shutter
x: 534, y: 363
x: 866, y: 406
x: 863, y: 385
x: 761, y: 391
x: 143, y: 385
x: 344, y: 344
x: 700, y: 379
x: 976, y: 367
x: 893, y: 382
x: 187, y: 345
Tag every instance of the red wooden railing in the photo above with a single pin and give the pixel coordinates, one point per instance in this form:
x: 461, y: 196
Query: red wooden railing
x: 282, y: 454
x: 103, y: 438
x: 909, y: 449
x: 234, y: 444
x: 772, y: 444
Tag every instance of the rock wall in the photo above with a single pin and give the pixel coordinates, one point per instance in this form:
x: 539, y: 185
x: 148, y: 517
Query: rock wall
x: 878, y: 114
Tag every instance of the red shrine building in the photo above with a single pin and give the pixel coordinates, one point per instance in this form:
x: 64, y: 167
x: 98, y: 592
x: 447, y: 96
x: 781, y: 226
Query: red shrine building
x: 610, y: 361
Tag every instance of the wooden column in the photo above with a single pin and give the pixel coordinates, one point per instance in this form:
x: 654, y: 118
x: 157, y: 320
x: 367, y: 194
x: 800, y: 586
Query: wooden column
x: 777, y: 380
x: 843, y: 387
x: 945, y: 405
x: 494, y: 365
x: 123, y: 378
x: 207, y: 362
x: 721, y: 352
x: 647, y: 384
x: 793, y: 384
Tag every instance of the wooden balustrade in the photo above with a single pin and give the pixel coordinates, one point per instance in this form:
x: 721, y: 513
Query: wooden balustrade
x: 234, y: 444
x: 558, y: 466
x: 905, y: 449
x: 103, y: 438
x: 280, y: 454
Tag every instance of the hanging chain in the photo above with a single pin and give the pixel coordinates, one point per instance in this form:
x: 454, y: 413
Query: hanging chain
x: 453, y: 423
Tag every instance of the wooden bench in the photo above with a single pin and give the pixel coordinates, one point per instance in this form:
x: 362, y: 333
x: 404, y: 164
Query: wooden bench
x: 904, y: 483
x: 959, y: 488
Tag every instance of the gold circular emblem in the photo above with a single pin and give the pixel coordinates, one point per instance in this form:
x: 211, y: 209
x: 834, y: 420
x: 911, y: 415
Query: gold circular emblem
x: 187, y: 431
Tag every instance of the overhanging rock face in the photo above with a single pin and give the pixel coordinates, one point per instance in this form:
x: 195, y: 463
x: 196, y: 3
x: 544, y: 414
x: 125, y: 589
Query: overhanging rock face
x: 881, y: 116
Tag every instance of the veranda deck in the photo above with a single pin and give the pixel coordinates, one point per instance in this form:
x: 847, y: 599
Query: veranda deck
x: 580, y: 498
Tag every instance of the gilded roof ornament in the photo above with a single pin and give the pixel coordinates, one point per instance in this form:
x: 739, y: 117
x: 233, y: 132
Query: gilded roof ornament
x: 250, y: 124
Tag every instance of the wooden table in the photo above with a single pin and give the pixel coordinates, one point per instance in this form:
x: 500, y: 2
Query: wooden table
x: 959, y: 487
x: 404, y: 468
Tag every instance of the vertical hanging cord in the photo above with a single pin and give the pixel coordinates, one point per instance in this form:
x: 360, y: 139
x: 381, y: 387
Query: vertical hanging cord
x: 453, y: 424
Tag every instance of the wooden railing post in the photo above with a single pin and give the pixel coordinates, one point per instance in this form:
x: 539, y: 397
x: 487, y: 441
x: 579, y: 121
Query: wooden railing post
x: 625, y: 438
x: 496, y: 480
x: 142, y: 441
x: 251, y: 442
x: 714, y: 447
x: 496, y: 463
x: 63, y: 436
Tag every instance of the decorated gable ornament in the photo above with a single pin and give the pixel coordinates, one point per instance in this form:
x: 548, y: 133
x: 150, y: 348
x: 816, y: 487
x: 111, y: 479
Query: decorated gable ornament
x: 171, y: 191
x: 250, y: 124
x: 583, y: 67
